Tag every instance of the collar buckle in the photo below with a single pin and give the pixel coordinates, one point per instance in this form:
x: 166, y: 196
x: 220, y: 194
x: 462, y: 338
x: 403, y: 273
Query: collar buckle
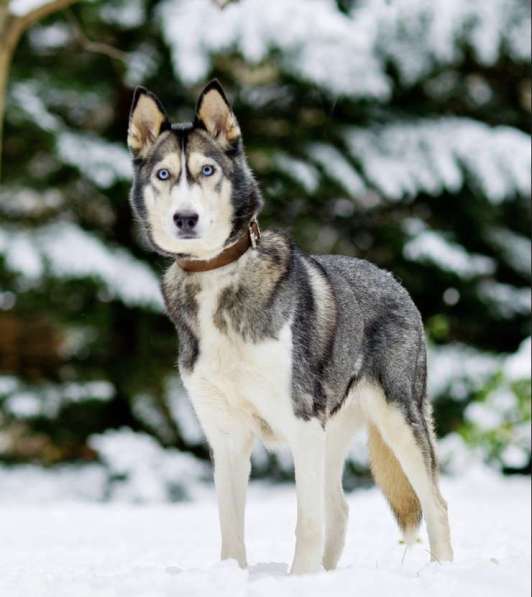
x: 254, y: 233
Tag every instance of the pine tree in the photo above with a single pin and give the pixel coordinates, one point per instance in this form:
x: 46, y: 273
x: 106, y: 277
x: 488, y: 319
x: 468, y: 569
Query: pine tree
x: 394, y: 131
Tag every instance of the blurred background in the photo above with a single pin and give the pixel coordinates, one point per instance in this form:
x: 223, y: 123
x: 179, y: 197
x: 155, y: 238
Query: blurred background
x: 395, y: 131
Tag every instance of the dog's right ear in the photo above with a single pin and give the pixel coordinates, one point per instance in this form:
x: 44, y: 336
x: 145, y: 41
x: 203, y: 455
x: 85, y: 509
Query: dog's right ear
x: 147, y: 120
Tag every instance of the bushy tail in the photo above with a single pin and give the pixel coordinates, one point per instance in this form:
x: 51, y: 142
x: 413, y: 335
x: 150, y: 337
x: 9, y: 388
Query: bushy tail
x: 390, y: 477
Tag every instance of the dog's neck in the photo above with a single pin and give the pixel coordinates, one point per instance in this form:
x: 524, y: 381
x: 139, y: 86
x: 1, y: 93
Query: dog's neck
x: 231, y: 253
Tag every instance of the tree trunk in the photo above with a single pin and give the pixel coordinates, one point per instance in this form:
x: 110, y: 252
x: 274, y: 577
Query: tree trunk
x: 11, y: 29
x: 5, y: 60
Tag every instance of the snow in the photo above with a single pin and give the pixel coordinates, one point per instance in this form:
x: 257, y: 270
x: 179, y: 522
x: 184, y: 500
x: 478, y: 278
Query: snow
x: 142, y: 64
x: 65, y: 250
x: 23, y: 7
x: 60, y: 549
x: 416, y: 36
x: 64, y: 483
x: 49, y: 37
x: 459, y: 370
x: 101, y: 162
x: 131, y: 467
x: 47, y: 399
x: 25, y: 96
x: 299, y: 170
x: 516, y: 249
x: 141, y: 470
x: 194, y: 29
x: 497, y: 420
x: 337, y: 167
x: 506, y: 300
x: 516, y: 456
x: 435, y: 247
x: 499, y: 428
x: 126, y: 13
x: 433, y: 155
x: 485, y: 416
x: 29, y: 202
x: 518, y: 365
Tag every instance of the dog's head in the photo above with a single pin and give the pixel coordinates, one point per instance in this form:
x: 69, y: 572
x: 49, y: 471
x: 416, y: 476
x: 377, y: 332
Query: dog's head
x: 193, y: 190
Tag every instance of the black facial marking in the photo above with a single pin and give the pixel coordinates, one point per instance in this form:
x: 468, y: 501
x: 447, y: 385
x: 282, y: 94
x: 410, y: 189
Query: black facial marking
x: 182, y: 132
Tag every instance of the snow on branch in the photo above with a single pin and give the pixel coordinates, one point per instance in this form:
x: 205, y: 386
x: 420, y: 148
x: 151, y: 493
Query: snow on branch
x: 435, y: 155
x: 340, y: 55
x: 47, y: 399
x: 298, y: 170
x: 417, y: 35
x: 100, y: 161
x: 401, y: 159
x: 22, y: 7
x: 459, y: 369
x: 337, y: 167
x: 63, y: 250
x: 505, y: 300
x: 347, y: 53
x: 431, y: 246
x: 516, y: 250
x: 27, y: 8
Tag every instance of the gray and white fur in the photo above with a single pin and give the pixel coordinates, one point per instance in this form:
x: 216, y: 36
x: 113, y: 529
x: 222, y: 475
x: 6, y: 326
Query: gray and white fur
x: 280, y: 345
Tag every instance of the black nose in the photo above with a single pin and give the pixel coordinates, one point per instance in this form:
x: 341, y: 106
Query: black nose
x: 186, y: 221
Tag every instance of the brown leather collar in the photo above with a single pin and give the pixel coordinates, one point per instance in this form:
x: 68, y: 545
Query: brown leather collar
x: 228, y: 255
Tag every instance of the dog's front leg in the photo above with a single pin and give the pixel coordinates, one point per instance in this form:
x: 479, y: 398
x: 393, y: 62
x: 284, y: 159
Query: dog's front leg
x: 231, y: 446
x: 308, y: 450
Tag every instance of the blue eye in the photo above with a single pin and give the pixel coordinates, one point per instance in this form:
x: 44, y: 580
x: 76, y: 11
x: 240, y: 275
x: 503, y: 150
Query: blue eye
x: 207, y: 170
x: 163, y: 174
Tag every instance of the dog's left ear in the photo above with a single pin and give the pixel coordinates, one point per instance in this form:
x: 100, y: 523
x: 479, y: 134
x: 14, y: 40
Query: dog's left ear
x: 214, y: 113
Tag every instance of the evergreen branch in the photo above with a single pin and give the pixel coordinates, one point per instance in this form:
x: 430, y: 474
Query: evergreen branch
x: 96, y: 47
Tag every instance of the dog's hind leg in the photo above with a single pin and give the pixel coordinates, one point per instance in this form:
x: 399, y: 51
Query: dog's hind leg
x: 409, y: 438
x: 389, y: 476
x: 340, y: 430
x: 307, y: 443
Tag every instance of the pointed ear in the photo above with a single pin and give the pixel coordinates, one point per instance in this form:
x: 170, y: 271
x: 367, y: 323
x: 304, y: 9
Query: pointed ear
x: 147, y: 120
x: 214, y: 113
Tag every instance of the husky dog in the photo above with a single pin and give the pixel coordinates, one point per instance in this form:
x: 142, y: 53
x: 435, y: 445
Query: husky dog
x: 279, y: 345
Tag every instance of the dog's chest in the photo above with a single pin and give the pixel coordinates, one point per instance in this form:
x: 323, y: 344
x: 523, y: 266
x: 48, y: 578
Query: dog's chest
x: 234, y: 369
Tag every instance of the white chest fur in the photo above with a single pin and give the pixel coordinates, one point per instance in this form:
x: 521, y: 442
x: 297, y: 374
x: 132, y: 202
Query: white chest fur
x: 238, y: 378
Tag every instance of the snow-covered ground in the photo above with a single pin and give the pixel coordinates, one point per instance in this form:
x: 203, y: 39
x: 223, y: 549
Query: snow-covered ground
x: 66, y: 549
